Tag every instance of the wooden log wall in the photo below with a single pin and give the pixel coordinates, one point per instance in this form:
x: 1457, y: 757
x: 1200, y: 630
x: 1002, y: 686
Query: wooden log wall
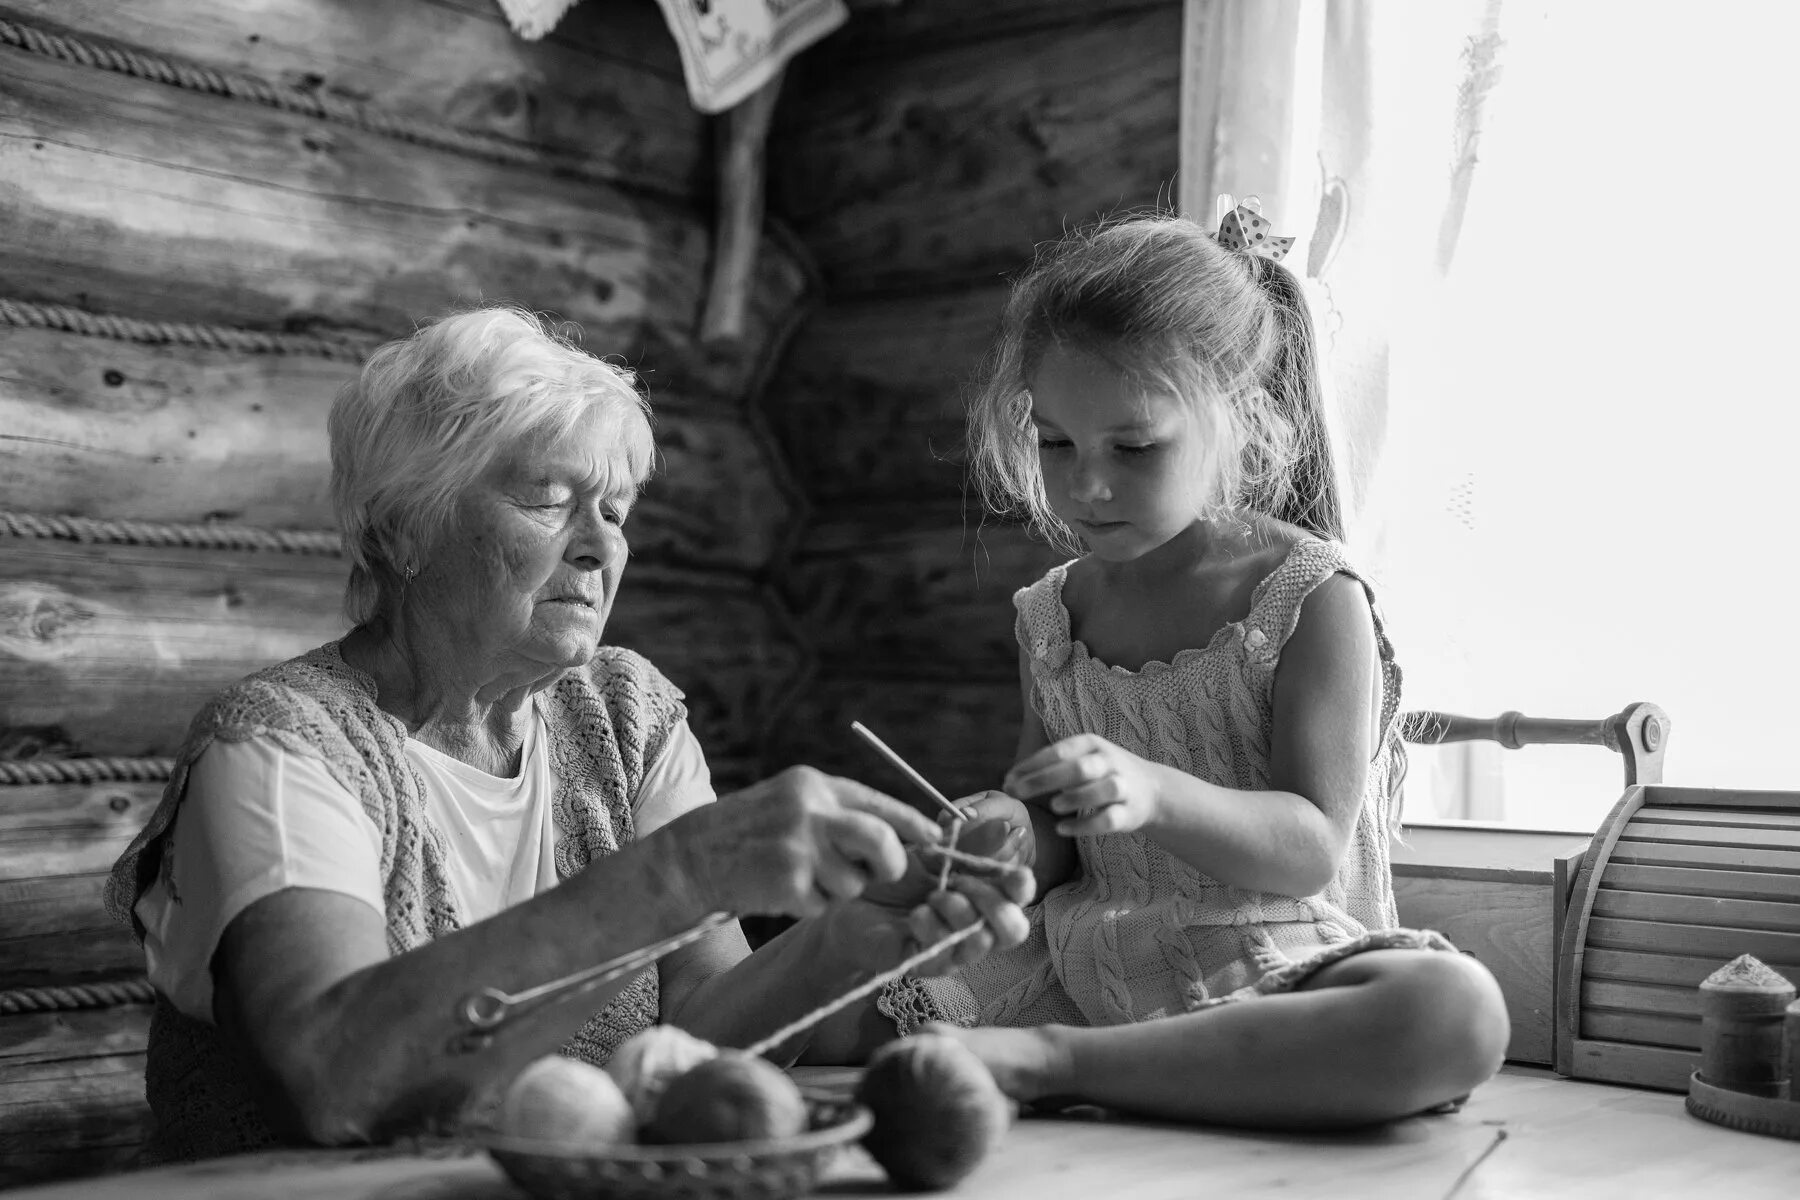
x: 208, y: 214
x: 921, y: 154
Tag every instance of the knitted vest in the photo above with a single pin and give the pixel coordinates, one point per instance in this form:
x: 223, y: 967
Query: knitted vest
x: 607, y: 723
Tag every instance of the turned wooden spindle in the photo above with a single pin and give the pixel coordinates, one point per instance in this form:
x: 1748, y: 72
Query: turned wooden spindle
x: 1640, y: 734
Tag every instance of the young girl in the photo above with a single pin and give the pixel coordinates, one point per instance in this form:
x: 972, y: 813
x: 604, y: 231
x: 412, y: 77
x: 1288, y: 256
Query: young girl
x: 1208, y: 767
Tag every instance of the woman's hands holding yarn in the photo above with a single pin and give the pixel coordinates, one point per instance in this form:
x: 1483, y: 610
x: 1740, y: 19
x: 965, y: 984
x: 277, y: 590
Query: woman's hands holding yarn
x: 1094, y: 786
x: 796, y: 843
x: 893, y: 920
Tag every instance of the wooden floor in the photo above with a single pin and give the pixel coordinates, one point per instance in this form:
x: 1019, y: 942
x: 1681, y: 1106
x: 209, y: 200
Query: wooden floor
x: 1527, y: 1134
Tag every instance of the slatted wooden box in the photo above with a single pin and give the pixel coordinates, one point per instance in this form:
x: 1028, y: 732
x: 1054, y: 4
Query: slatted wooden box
x: 1678, y: 882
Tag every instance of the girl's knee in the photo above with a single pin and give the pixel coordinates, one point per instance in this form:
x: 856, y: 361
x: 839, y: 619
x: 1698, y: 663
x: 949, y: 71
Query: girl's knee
x: 1452, y: 1022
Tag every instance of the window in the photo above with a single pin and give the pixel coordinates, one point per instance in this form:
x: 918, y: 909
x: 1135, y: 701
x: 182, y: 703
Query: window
x: 1587, y: 490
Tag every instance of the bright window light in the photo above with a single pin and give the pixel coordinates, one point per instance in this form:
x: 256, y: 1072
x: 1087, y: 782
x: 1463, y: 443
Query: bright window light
x: 1587, y: 496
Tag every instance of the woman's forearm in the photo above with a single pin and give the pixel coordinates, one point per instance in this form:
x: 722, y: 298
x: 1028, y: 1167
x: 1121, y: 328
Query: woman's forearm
x: 1267, y: 841
x: 374, y: 1053
x: 359, y: 1045
x: 796, y: 972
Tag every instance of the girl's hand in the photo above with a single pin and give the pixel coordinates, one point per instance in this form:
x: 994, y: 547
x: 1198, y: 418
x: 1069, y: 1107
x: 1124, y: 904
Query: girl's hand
x: 1020, y: 843
x: 1094, y: 785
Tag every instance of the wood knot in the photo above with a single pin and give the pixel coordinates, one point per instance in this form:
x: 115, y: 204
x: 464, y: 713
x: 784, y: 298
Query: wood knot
x: 35, y: 615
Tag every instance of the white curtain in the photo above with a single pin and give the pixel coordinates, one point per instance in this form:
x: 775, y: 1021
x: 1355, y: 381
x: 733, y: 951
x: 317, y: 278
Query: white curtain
x: 1357, y: 123
x: 1559, y: 309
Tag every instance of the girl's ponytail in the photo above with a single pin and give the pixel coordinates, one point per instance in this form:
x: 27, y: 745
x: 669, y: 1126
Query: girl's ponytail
x: 1313, y: 500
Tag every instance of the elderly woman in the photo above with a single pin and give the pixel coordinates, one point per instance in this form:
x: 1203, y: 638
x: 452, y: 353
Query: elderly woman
x: 470, y: 789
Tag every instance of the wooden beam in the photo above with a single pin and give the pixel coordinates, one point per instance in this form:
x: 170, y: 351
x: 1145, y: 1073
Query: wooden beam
x: 50, y: 829
x: 275, y: 220
x: 882, y: 29
x: 880, y: 595
x: 1000, y: 151
x: 58, y: 930
x: 39, y: 1038
x: 116, y: 646
x: 605, y: 89
x: 959, y: 735
x: 868, y: 402
x: 69, y: 1116
x: 97, y: 427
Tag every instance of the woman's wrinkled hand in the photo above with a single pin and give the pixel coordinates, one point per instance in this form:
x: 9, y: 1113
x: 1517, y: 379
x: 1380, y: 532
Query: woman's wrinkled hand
x: 893, y: 920
x: 796, y: 843
x: 1093, y: 785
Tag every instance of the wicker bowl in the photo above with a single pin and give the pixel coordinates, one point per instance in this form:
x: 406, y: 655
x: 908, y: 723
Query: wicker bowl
x: 763, y: 1170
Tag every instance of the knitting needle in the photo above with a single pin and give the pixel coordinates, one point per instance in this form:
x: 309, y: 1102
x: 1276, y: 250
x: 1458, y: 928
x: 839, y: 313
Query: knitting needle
x: 950, y: 839
x: 881, y: 747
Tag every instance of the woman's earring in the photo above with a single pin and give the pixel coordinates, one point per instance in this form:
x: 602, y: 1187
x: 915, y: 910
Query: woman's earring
x: 410, y: 572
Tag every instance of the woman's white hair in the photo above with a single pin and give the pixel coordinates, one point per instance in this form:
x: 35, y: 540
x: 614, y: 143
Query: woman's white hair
x: 432, y: 411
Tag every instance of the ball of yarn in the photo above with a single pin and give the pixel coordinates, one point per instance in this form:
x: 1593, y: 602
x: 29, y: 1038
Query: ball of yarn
x: 937, y: 1111
x: 735, y: 1097
x: 558, y: 1099
x: 645, y: 1063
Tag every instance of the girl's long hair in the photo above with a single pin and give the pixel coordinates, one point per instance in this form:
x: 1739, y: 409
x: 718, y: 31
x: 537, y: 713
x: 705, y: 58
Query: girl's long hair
x: 1227, y: 332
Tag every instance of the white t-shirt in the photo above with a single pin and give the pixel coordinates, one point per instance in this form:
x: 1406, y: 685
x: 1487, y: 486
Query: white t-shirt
x: 256, y: 820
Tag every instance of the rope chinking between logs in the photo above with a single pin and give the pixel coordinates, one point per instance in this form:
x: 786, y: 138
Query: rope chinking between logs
x: 28, y: 314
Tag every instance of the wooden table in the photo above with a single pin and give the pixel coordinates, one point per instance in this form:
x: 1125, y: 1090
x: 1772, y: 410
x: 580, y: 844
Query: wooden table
x: 1527, y: 1134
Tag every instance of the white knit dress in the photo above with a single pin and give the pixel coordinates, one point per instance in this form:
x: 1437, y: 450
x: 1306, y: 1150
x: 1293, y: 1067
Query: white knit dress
x: 1138, y: 933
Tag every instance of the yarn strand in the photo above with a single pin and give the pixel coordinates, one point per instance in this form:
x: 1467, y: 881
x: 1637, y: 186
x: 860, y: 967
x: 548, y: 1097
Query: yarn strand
x: 950, y: 855
x: 857, y: 993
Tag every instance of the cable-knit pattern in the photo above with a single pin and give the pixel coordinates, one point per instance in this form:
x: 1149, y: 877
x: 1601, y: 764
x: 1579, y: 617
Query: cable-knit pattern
x: 1138, y: 932
x: 606, y: 723
x: 1005, y: 1008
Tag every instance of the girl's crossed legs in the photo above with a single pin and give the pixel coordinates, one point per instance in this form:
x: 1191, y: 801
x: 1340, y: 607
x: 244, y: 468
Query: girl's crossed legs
x: 1374, y: 1037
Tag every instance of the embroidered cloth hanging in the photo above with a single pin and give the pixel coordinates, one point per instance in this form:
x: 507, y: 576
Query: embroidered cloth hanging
x: 729, y: 48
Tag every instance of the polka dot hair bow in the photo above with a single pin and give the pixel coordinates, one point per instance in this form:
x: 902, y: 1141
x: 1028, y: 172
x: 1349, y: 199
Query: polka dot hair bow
x: 1243, y: 227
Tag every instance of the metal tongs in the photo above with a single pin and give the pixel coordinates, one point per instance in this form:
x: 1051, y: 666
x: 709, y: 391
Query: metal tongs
x: 486, y: 1011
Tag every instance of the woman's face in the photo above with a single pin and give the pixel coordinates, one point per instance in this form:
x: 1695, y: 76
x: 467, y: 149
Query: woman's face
x: 527, y: 569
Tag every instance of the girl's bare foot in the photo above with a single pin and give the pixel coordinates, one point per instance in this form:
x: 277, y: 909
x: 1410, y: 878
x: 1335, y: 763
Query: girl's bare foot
x: 1028, y: 1064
